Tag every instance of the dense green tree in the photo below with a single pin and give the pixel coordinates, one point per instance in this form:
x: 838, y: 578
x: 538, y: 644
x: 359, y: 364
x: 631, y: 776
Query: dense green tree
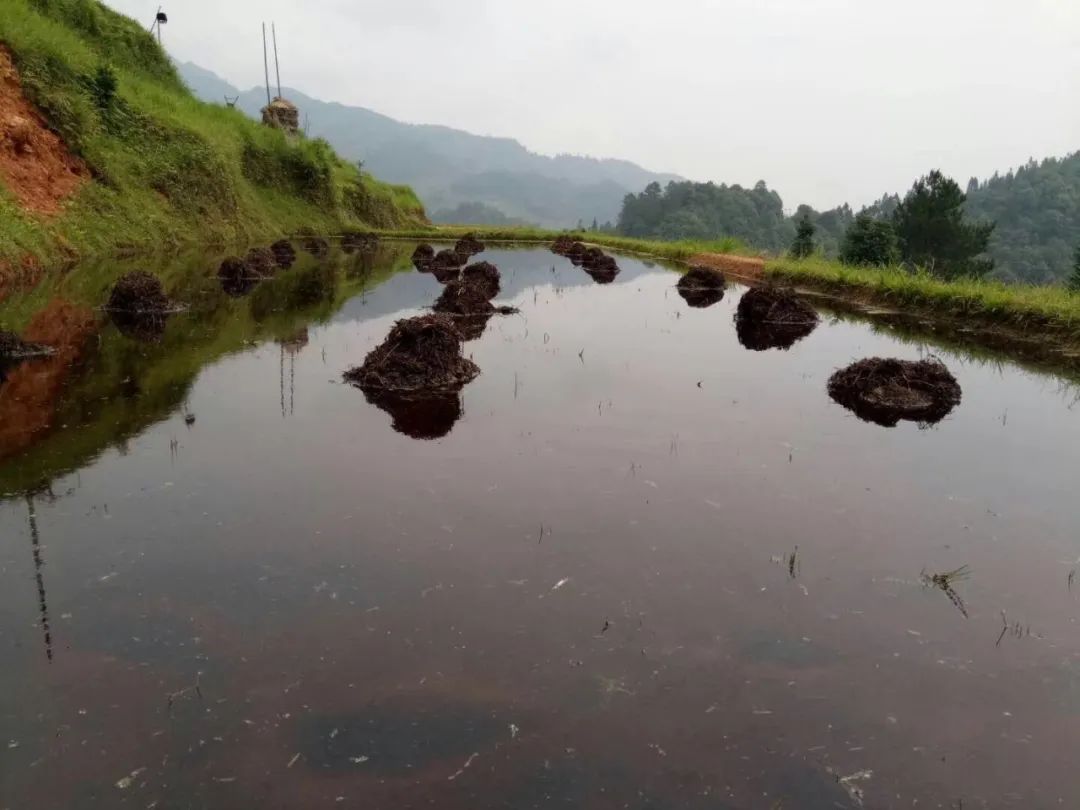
x: 1074, y: 277
x: 870, y: 242
x: 932, y: 231
x: 803, y: 244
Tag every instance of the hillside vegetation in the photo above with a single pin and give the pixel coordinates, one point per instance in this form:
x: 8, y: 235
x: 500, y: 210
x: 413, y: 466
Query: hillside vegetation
x: 1036, y: 209
x: 158, y: 166
x: 449, y: 167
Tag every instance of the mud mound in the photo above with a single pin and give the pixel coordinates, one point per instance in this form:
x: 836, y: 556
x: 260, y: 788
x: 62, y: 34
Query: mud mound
x: 315, y: 245
x: 773, y: 317
x: 563, y: 245
x: 284, y: 253
x: 419, y: 354
x: 702, y: 278
x: 261, y: 262
x: 138, y: 292
x: 576, y: 252
x: 236, y: 279
x: 447, y: 260
x: 884, y: 391
x: 483, y: 277
x: 702, y: 287
x: 468, y: 246
x: 353, y: 241
x: 445, y: 275
x: 601, y: 267
x: 460, y: 298
x: 419, y: 415
x: 35, y: 164
x: 423, y: 256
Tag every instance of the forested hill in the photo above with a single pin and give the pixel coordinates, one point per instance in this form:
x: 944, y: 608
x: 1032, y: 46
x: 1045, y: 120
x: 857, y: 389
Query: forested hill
x: 1036, y: 207
x: 449, y: 168
x: 1037, y: 210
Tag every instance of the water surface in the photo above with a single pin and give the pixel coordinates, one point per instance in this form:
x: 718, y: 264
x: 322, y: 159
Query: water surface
x: 227, y: 580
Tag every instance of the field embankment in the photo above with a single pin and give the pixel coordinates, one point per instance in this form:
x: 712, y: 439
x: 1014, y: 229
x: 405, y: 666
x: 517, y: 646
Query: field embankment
x: 103, y: 149
x: 1031, y: 312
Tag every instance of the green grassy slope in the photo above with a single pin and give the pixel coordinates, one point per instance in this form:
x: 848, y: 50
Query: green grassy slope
x: 166, y: 167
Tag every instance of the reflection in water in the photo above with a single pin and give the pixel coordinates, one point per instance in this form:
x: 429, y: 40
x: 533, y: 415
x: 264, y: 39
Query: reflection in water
x: 760, y: 336
x: 524, y: 614
x: 419, y: 414
x: 145, y: 327
x: 772, y: 317
x: 701, y: 297
x: 290, y: 346
x: 35, y: 545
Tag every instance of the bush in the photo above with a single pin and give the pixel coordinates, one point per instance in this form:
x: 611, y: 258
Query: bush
x: 103, y: 86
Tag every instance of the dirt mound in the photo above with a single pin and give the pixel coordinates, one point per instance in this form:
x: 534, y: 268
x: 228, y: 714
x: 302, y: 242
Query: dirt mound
x: 576, y: 252
x: 460, y: 298
x: 884, y: 391
x: 601, y: 267
x: 284, y: 253
x: 773, y: 317
x: 138, y: 292
x: 419, y: 354
x: 563, y: 244
x: 468, y: 246
x: 702, y: 287
x: 353, y: 241
x: 261, y: 262
x: 315, y: 245
x: 35, y: 164
x: 423, y: 256
x: 702, y: 278
x: 484, y: 277
x: 448, y: 260
x: 236, y: 279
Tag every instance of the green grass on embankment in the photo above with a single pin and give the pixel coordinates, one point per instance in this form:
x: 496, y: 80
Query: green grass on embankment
x: 167, y: 169
x: 674, y: 251
x: 1054, y: 311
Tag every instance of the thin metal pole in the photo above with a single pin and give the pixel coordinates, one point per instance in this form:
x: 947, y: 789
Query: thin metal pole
x: 277, y: 68
x: 155, y: 22
x: 266, y: 66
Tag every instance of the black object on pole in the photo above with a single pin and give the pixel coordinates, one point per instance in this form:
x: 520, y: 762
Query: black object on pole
x: 266, y: 66
x: 277, y: 68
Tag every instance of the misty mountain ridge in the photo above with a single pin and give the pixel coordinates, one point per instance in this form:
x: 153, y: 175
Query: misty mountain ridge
x: 450, y: 168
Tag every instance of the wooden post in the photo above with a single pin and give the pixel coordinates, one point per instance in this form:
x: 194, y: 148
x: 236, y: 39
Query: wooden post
x: 266, y: 67
x: 277, y: 68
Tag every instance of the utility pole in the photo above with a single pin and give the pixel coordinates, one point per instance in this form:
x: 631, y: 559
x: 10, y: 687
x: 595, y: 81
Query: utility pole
x: 266, y: 67
x: 277, y: 68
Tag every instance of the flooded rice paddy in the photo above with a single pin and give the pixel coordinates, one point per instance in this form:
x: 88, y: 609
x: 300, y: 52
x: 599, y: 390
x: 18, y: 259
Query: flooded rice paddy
x: 632, y: 564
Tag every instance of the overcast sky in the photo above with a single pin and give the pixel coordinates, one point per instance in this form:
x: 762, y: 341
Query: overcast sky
x: 826, y: 100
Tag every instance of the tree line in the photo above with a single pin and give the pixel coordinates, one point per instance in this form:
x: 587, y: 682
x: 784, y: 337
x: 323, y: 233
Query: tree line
x: 1022, y: 226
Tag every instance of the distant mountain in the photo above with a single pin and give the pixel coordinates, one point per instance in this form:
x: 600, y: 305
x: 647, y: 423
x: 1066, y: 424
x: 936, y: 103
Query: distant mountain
x: 448, y: 167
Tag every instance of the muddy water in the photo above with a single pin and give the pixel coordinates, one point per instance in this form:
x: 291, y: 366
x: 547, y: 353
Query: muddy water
x: 227, y: 580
